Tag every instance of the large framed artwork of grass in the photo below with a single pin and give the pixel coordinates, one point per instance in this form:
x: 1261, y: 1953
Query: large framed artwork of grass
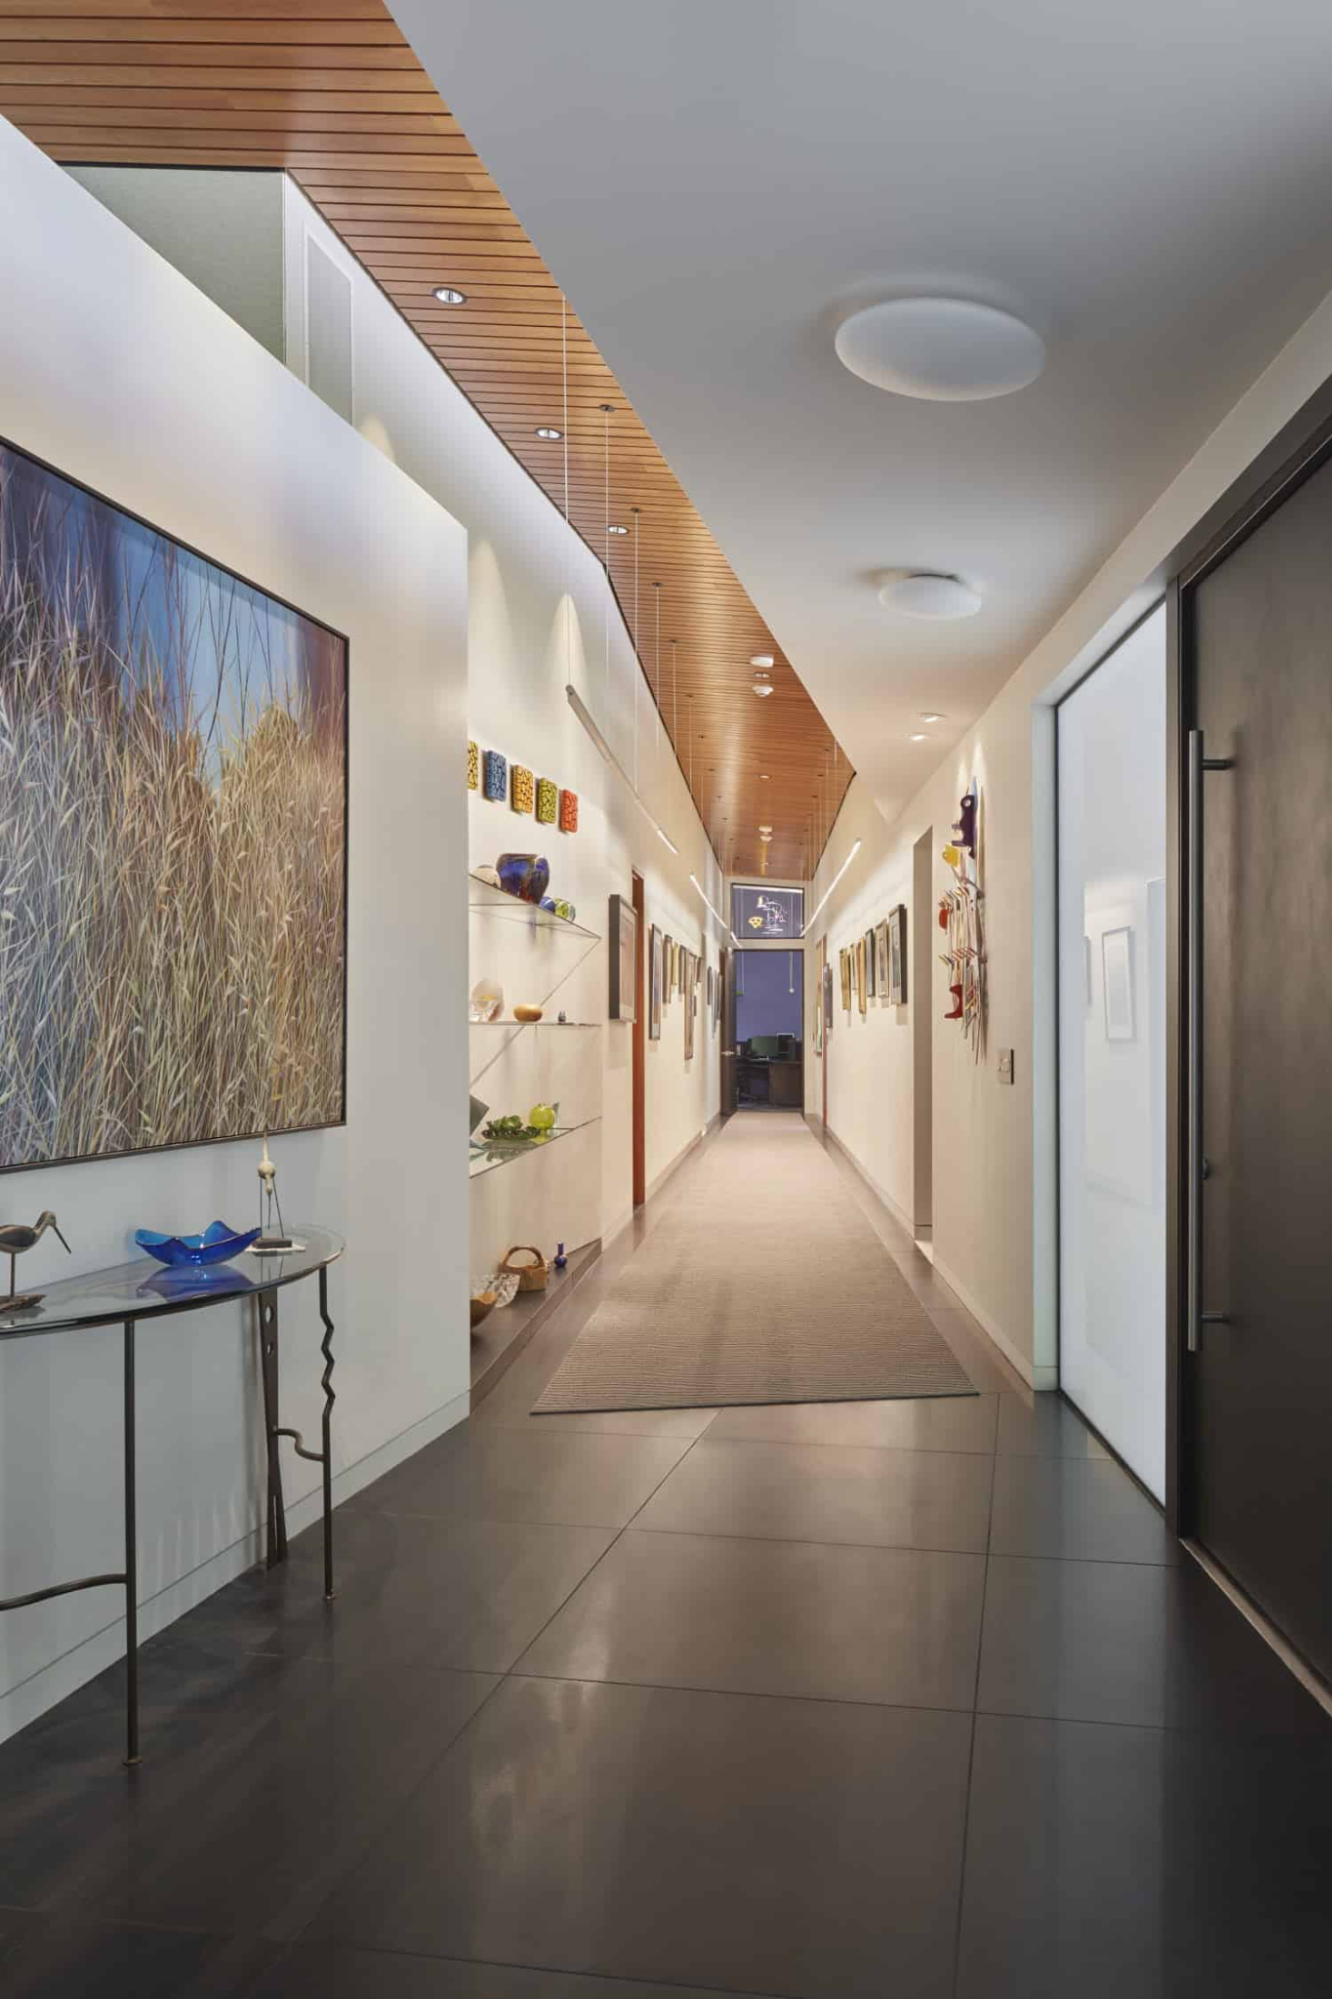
x: 173, y: 840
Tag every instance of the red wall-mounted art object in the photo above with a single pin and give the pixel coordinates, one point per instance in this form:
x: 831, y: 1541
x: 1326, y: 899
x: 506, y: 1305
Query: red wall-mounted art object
x: 569, y: 812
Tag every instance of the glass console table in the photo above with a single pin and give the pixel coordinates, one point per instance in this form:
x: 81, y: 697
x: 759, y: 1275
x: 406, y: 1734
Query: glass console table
x: 143, y: 1290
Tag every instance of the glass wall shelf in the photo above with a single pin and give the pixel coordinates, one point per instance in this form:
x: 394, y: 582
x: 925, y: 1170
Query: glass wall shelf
x: 563, y: 1026
x: 487, y: 1154
x: 498, y: 902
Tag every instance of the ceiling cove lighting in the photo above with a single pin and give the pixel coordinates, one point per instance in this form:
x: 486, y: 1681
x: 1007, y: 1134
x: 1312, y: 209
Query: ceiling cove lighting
x: 928, y: 593
x: 449, y: 295
x: 940, y: 350
x: 608, y: 755
x: 549, y: 432
x: 832, y: 885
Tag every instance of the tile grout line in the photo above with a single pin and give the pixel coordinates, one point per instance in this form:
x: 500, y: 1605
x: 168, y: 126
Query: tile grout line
x: 972, y: 1737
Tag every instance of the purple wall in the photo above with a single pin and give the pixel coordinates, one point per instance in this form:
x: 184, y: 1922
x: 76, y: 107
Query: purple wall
x: 765, y: 1006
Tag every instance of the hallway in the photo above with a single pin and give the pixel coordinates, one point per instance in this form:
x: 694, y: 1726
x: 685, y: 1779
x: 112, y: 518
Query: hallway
x: 912, y: 1698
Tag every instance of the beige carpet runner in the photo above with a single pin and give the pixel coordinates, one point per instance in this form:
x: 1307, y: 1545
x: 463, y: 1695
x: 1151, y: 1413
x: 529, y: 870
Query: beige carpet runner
x: 763, y: 1282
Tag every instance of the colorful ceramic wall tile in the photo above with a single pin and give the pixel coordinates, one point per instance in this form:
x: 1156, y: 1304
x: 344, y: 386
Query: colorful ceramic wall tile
x: 548, y: 798
x: 495, y: 777
x: 473, y: 767
x: 569, y: 812
x: 522, y: 793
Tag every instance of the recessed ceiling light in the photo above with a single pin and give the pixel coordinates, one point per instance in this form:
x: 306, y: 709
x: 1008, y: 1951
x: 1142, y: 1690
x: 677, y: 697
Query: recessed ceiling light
x: 449, y: 295
x: 617, y: 530
x: 916, y: 739
x: 949, y: 350
x: 763, y: 777
x: 761, y: 688
x: 927, y: 593
x: 932, y: 718
x: 762, y: 659
x: 549, y: 432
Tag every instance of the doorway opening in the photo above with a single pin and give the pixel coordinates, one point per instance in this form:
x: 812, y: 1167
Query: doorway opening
x: 770, y: 1012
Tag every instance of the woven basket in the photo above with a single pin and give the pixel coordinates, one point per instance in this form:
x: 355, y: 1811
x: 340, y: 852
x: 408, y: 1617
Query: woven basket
x: 531, y: 1276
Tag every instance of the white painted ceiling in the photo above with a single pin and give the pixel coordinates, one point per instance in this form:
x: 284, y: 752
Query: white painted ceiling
x: 716, y: 183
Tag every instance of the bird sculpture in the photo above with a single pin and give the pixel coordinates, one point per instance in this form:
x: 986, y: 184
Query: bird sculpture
x: 15, y: 1237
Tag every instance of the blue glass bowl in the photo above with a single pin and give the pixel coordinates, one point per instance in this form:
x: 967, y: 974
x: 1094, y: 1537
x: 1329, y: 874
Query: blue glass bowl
x: 217, y: 1244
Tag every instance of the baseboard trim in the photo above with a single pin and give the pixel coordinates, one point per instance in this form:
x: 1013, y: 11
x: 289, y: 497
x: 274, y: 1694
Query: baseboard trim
x: 1269, y: 1632
x: 1042, y: 1379
x: 84, y: 1661
x: 880, y: 1193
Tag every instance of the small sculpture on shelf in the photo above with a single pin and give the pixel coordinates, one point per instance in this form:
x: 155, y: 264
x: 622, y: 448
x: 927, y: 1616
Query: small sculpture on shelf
x: 524, y: 875
x: 485, y: 1001
x: 15, y: 1237
x: 268, y: 1239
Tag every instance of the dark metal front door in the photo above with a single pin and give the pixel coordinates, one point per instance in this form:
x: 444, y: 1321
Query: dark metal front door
x: 1255, y: 1459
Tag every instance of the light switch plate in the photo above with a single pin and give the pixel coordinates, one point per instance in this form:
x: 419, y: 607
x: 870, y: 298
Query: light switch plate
x: 1006, y: 1065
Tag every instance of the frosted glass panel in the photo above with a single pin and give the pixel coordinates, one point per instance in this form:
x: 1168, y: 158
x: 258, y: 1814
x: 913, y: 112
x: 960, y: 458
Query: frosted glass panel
x: 1112, y: 916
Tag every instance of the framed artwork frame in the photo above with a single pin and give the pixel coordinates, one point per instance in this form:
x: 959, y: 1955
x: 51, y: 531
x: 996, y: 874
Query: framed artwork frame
x: 623, y: 956
x: 828, y: 1001
x: 654, y: 983
x: 845, y: 979
x: 861, y: 976
x: 870, y: 964
x: 1118, y: 983
x: 180, y: 663
x: 882, y: 958
x: 898, y: 956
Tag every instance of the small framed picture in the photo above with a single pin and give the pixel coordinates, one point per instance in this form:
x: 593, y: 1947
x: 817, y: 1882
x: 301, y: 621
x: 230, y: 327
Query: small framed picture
x: 654, y: 983
x: 871, y: 987
x: 898, y: 956
x: 1118, y: 983
x: 882, y: 960
x: 623, y: 940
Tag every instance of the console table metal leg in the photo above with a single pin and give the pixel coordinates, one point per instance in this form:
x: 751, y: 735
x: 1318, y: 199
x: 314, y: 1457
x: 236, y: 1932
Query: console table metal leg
x: 326, y: 1383
x: 131, y: 1563
x: 276, y: 1550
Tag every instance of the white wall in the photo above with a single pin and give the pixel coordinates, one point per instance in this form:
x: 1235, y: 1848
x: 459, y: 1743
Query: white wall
x: 116, y: 370
x: 994, y: 1146
x: 540, y: 615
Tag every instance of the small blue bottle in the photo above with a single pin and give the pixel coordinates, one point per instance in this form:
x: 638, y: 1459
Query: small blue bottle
x: 561, y: 1260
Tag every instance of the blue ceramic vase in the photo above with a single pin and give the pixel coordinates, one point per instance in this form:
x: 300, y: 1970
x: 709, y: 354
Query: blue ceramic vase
x: 524, y: 875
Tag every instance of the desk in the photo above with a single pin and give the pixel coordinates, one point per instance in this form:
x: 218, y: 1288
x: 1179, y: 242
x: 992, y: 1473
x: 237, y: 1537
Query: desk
x: 775, y: 1079
x: 145, y: 1289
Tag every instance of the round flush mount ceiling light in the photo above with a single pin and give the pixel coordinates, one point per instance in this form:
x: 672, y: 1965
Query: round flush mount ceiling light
x: 924, y: 593
x: 931, y: 716
x: 549, y: 432
x: 449, y: 295
x: 761, y: 688
x: 944, y: 350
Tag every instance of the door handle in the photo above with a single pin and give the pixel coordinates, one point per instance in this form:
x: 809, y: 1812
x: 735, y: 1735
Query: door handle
x: 1196, y: 1165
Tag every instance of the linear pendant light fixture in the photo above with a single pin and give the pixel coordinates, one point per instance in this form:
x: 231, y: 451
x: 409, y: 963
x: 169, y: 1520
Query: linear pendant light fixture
x: 833, y: 884
x: 608, y: 755
x: 712, y: 912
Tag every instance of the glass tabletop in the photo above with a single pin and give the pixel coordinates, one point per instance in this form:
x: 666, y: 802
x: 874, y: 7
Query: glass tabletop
x: 146, y: 1288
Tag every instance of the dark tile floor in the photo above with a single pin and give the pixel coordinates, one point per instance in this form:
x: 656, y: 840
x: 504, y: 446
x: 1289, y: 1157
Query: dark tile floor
x: 908, y: 1699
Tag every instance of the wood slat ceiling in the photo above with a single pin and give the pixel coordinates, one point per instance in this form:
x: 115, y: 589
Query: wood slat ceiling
x: 331, y: 91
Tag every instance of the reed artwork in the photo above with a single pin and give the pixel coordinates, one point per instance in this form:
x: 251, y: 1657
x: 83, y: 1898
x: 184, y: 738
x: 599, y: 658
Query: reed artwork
x: 173, y: 785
